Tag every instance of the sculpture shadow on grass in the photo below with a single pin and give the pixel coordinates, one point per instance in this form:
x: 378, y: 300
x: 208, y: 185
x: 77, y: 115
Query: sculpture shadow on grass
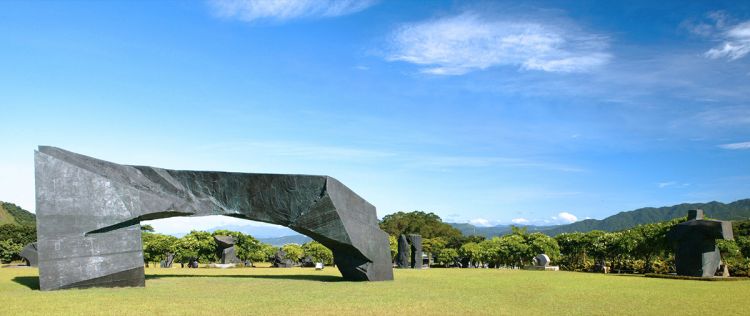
x: 31, y: 282
x: 299, y: 277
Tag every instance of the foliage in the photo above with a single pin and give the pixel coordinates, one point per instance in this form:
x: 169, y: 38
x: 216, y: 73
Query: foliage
x: 318, y: 252
x: 197, y: 244
x: 156, y: 246
x: 428, y: 225
x: 294, y: 252
x: 12, y: 240
x: 447, y: 256
x: 16, y: 215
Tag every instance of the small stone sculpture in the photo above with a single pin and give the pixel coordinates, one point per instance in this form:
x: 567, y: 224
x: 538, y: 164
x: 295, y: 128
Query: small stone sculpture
x: 694, y: 243
x: 167, y: 262
x: 280, y: 260
x: 30, y: 254
x: 225, y: 245
x: 541, y: 260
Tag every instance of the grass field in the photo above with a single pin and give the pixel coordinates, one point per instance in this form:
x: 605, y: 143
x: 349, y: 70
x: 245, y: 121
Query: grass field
x: 303, y: 291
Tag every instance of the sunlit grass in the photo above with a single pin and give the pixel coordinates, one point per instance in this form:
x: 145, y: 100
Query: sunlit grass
x: 305, y: 291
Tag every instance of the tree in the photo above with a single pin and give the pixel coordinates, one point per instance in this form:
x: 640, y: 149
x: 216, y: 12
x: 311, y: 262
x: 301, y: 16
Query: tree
x: 156, y: 246
x: 147, y: 228
x: 470, y: 252
x: 428, y: 225
x: 294, y: 252
x: 197, y: 244
x: 448, y: 256
x: 13, y: 238
x: 318, y: 252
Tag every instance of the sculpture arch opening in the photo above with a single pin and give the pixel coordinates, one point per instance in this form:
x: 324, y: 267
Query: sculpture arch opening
x: 89, y: 213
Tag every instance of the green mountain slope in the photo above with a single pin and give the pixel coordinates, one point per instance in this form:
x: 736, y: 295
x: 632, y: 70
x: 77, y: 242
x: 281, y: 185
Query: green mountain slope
x: 735, y: 211
x: 14, y: 214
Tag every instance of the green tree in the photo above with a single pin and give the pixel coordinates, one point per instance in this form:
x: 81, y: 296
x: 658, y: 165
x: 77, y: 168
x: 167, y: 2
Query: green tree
x: 428, y: 225
x: 472, y: 252
x: 318, y: 252
x: 294, y: 252
x: 156, y: 246
x: 447, y: 256
x: 196, y: 244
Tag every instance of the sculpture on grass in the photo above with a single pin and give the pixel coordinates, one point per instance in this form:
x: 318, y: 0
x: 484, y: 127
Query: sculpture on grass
x: 89, y: 213
x: 694, y: 243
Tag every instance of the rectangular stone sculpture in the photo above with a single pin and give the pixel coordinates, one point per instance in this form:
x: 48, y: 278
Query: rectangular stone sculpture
x: 89, y: 213
x: 694, y: 243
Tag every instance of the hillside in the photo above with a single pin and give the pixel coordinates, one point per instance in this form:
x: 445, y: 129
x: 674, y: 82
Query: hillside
x: 14, y: 214
x: 280, y: 241
x: 738, y: 210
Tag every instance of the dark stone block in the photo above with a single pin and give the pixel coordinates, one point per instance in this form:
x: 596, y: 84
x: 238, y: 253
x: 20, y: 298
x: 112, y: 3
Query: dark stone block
x: 402, y: 257
x: 226, y: 249
x: 281, y: 261
x: 416, y: 250
x: 89, y: 210
x: 694, y: 243
x: 29, y: 252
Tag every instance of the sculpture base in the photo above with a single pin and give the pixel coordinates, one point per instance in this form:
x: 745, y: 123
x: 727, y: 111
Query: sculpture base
x: 539, y: 268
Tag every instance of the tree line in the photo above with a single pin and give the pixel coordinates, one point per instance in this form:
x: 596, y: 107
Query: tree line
x: 641, y: 249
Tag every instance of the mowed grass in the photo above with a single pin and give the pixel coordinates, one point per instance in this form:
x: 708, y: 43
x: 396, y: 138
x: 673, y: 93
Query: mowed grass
x: 304, y: 291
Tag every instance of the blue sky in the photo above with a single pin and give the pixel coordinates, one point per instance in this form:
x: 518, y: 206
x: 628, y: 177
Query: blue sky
x: 544, y: 112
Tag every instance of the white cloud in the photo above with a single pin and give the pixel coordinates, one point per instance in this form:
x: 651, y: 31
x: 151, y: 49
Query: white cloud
x: 736, y: 146
x: 565, y: 218
x: 480, y: 222
x: 666, y: 184
x: 282, y: 10
x: 464, y: 43
x: 672, y: 184
x: 520, y: 220
x: 733, y: 38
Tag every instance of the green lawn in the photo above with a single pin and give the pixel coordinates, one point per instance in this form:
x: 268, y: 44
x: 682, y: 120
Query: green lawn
x: 304, y: 291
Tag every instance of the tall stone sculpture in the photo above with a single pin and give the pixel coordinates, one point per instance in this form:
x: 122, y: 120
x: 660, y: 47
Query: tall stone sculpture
x: 416, y: 250
x: 402, y: 257
x: 89, y: 210
x: 694, y: 243
x: 226, y: 250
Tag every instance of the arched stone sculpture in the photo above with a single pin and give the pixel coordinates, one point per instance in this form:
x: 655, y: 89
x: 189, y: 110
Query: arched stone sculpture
x: 89, y: 212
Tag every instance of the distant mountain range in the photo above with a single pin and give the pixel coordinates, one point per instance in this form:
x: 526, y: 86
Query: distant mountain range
x: 14, y: 214
x: 280, y: 241
x: 738, y: 210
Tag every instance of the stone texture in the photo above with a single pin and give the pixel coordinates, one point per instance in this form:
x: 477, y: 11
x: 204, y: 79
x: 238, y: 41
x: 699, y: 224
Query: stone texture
x: 541, y: 260
x: 416, y: 250
x: 167, y: 262
x: 280, y: 260
x: 694, y: 243
x: 402, y: 257
x: 89, y: 213
x: 29, y: 252
x: 226, y: 249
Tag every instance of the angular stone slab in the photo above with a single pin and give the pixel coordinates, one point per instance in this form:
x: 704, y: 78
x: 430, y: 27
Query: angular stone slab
x: 402, y: 257
x: 31, y: 255
x: 694, y: 243
x: 416, y: 250
x: 89, y: 213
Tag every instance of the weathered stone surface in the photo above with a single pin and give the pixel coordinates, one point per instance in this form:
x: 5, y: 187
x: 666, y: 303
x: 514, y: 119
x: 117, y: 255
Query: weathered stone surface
x: 541, y: 260
x: 225, y: 245
x: 89, y: 210
x: 167, y: 262
x: 402, y: 257
x: 280, y: 260
x: 694, y: 243
x: 416, y: 250
x: 29, y: 252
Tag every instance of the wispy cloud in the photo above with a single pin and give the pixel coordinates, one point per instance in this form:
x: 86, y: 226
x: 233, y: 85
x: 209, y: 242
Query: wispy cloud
x: 736, y: 146
x: 733, y: 38
x: 480, y: 222
x: 282, y: 10
x: 520, y: 221
x: 467, y: 42
x: 672, y: 184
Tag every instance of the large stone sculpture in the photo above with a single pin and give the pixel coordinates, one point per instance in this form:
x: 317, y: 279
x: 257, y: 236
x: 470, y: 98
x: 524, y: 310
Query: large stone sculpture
x: 280, y: 260
x: 416, y: 250
x: 29, y: 252
x: 402, y: 257
x: 89, y: 210
x: 225, y: 245
x: 694, y: 242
